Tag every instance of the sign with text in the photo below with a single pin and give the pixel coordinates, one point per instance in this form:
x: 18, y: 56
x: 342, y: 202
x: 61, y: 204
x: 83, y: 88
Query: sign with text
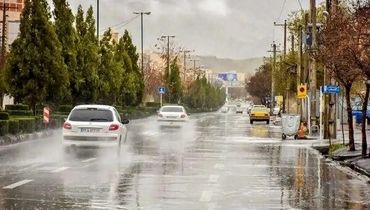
x: 330, y: 89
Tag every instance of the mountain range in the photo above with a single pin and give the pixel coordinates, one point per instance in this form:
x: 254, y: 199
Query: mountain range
x: 247, y: 66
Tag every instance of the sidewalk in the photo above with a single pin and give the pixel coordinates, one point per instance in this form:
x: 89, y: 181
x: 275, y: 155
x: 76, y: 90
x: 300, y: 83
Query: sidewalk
x: 352, y: 159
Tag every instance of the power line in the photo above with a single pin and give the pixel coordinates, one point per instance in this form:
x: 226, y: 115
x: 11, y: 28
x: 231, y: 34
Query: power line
x: 120, y: 25
x: 282, y: 10
x: 300, y: 4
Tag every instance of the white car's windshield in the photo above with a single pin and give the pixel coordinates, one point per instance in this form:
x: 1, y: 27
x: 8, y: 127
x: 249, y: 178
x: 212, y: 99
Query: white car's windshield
x: 172, y: 109
x: 91, y: 115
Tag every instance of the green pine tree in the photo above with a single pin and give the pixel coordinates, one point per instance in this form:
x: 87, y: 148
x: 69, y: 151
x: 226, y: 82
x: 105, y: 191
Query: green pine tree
x: 128, y: 95
x: 135, y: 72
x: 87, y: 57
x: 35, y: 71
x: 174, y: 83
x: 110, y: 74
x: 66, y: 33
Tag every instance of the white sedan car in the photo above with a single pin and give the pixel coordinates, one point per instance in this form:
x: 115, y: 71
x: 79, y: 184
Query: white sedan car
x: 172, y: 114
x: 94, y: 126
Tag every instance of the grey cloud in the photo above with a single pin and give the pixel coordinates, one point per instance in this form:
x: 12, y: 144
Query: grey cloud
x: 244, y: 30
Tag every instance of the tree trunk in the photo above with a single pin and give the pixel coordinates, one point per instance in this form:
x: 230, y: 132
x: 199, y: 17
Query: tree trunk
x: 364, y: 121
x: 350, y: 119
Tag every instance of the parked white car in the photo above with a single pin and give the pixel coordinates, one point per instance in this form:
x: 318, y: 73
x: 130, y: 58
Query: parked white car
x: 172, y: 114
x: 94, y: 126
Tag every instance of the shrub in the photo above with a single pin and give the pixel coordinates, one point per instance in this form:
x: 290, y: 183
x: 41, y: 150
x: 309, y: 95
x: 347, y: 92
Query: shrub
x: 4, y: 116
x: 27, y: 125
x: 20, y: 112
x: 65, y: 108
x: 17, y: 107
x: 59, y: 113
x: 39, y: 123
x: 14, y: 127
x: 4, y: 127
x: 152, y: 104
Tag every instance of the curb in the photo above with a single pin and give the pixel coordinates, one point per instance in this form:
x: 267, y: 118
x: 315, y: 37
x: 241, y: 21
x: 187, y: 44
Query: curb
x: 15, y: 139
x: 346, y: 162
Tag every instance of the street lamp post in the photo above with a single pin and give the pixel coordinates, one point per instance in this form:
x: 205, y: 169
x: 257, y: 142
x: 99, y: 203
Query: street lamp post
x: 142, y: 38
x: 97, y: 18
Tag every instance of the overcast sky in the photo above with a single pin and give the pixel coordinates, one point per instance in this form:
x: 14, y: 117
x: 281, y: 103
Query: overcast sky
x: 223, y: 28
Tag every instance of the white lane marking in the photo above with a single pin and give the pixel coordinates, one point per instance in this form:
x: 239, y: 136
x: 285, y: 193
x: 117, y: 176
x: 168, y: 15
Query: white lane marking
x: 32, y: 166
x: 150, y: 133
x: 213, y: 178
x: 87, y: 165
x: 206, y: 196
x: 219, y: 166
x: 59, y: 169
x: 88, y: 160
x: 17, y: 184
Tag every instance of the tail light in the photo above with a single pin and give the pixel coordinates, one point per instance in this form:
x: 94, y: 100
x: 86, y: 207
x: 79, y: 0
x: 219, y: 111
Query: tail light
x: 113, y: 127
x: 183, y: 116
x: 160, y: 115
x: 67, y: 126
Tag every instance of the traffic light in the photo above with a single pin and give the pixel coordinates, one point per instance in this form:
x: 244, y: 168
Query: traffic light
x: 302, y: 91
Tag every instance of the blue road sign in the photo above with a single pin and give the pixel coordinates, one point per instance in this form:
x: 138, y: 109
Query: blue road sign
x: 331, y: 89
x: 162, y: 90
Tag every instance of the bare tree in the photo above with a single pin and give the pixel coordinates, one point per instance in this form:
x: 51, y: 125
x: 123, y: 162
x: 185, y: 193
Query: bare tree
x: 334, y: 51
x: 360, y: 49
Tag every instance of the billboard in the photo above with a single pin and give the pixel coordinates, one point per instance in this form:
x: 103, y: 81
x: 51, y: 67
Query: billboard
x: 227, y: 76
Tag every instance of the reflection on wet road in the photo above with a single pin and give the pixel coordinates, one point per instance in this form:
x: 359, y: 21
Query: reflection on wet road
x: 215, y: 161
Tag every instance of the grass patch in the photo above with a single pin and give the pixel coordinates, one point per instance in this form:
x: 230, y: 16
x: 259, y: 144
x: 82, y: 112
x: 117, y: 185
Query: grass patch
x: 335, y: 147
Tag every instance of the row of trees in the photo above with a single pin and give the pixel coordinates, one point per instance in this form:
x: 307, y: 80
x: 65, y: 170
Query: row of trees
x: 63, y: 61
x: 204, y: 96
x: 344, y: 47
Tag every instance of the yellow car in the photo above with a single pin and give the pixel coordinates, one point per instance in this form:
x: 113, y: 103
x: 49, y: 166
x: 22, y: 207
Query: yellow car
x: 259, y: 113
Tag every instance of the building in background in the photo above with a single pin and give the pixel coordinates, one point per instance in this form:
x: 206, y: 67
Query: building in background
x: 13, y: 10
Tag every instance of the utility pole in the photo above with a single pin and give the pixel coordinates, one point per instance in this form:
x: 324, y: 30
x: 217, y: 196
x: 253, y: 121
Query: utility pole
x: 274, y: 51
x: 185, y: 53
x: 330, y: 123
x: 142, y: 38
x: 4, y: 32
x: 97, y: 18
x: 284, y: 54
x: 168, y: 52
x: 300, y: 67
x: 285, y: 35
x: 194, y: 67
x: 313, y: 77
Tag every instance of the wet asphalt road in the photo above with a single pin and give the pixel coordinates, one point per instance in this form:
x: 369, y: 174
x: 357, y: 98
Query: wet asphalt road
x: 215, y: 161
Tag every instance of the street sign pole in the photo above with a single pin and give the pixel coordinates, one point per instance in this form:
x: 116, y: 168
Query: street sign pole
x: 160, y: 98
x: 161, y: 90
x: 321, y: 114
x: 308, y: 114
